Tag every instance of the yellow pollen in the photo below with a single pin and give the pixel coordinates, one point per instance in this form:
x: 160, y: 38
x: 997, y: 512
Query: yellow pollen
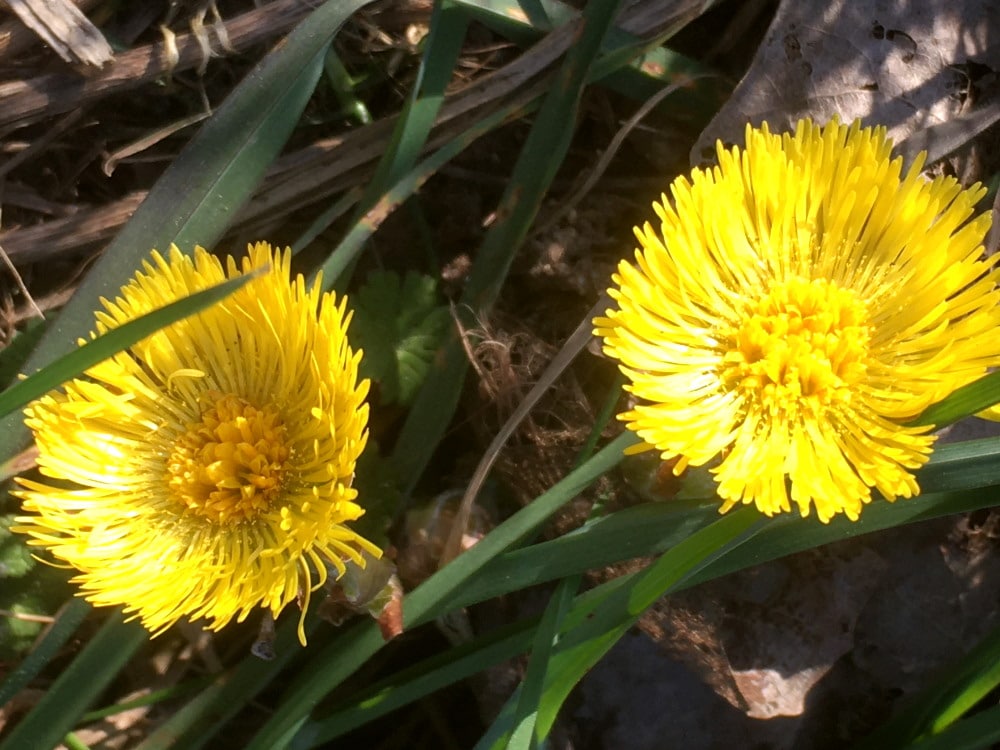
x: 800, y: 347
x: 228, y: 467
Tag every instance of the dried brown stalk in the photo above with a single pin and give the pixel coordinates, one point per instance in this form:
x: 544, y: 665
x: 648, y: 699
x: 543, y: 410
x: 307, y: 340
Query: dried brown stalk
x: 62, y: 26
x: 23, y: 102
x: 332, y: 165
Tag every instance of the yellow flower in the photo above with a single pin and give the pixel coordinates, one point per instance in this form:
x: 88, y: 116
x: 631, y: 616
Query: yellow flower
x: 207, y: 470
x: 799, y: 304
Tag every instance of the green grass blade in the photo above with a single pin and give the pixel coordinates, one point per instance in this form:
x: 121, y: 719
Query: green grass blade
x: 196, y: 724
x: 112, y: 342
x: 655, y: 528
x: 979, y: 732
x: 583, y: 647
x: 214, y: 175
x: 651, y: 529
x: 66, y: 623
x: 646, y: 73
x: 416, y: 681
x: 950, y: 697
x: 353, y: 242
x: 961, y: 466
x: 442, y: 47
x: 15, y: 354
x: 389, y: 185
x: 78, y: 686
x: 523, y: 735
x: 964, y: 402
x: 329, y: 667
x: 536, y: 166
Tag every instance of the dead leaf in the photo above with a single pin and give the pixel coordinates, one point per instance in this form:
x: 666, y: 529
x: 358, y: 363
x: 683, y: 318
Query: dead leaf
x: 904, y: 65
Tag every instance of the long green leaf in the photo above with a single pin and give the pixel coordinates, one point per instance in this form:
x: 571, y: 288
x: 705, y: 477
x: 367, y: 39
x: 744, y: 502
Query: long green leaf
x: 953, y: 694
x: 656, y: 528
x: 980, y: 731
x: 964, y: 402
x: 112, y: 342
x: 416, y: 681
x: 650, y: 529
x: 582, y: 647
x: 66, y: 623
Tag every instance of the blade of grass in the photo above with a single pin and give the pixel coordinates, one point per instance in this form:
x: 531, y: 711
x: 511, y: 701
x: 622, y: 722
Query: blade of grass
x: 198, y: 194
x: 643, y: 76
x: 978, y: 732
x: 603, y: 615
x: 524, y: 734
x: 962, y: 466
x: 584, y: 646
x: 78, y: 686
x: 416, y: 681
x: 964, y: 402
x: 413, y: 126
x: 437, y: 67
x: 66, y: 623
x: 536, y: 166
x: 952, y: 695
x: 112, y: 342
x: 650, y: 529
x: 353, y: 242
x: 340, y: 659
x: 14, y: 355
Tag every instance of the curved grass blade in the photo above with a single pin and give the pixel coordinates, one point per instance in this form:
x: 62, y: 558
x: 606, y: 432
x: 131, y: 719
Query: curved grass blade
x: 112, y: 342
x: 655, y: 528
x: 964, y: 402
x: 353, y: 242
x: 979, y: 732
x: 437, y: 66
x: 15, y: 354
x: 78, y: 686
x: 950, y: 697
x: 651, y: 529
x: 582, y: 647
x: 645, y: 73
x: 215, y: 174
x: 66, y: 623
x: 418, y: 680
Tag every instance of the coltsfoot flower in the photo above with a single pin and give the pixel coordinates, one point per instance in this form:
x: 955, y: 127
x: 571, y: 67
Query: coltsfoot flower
x: 797, y: 306
x: 206, y: 471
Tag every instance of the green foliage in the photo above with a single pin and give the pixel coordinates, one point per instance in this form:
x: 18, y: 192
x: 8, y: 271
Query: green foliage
x: 399, y: 323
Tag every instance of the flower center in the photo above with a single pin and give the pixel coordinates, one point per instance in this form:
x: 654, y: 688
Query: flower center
x: 801, y: 346
x: 228, y: 467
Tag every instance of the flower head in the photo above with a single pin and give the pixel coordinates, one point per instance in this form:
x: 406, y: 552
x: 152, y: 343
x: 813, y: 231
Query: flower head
x: 206, y: 471
x: 797, y: 306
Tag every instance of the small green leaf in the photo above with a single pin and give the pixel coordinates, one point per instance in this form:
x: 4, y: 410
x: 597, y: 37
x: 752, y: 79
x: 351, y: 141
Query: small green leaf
x: 399, y: 324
